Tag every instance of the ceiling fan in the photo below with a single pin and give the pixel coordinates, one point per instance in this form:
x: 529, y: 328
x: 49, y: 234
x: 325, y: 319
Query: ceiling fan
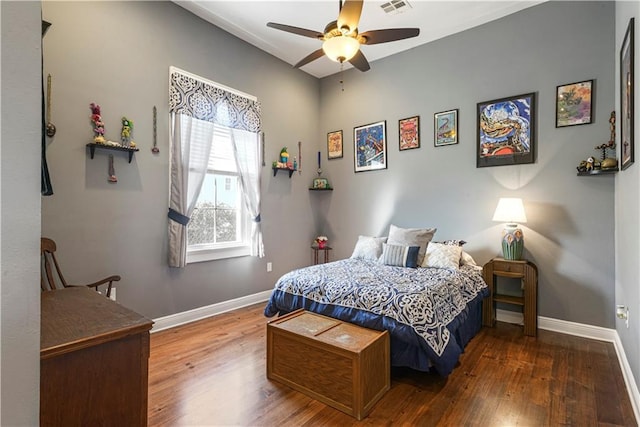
x: 341, y: 39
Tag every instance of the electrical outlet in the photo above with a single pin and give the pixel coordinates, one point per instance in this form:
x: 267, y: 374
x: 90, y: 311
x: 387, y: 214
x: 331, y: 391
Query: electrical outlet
x: 626, y: 322
x: 269, y: 267
x: 113, y: 294
x: 622, y: 312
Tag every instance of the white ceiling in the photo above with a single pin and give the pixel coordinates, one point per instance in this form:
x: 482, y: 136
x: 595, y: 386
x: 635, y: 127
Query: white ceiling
x: 247, y: 19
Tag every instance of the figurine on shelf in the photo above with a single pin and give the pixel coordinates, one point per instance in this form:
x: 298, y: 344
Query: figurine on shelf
x: 98, y: 124
x: 609, y: 163
x: 284, y: 161
x: 322, y: 241
x: 127, y: 133
x: 605, y: 163
x: 321, y: 184
x: 284, y: 155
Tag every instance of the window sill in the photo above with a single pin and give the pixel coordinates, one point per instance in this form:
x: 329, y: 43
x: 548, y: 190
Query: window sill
x: 202, y: 255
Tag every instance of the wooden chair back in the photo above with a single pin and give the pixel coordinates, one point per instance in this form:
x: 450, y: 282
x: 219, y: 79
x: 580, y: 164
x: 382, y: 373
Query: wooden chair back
x: 51, y: 277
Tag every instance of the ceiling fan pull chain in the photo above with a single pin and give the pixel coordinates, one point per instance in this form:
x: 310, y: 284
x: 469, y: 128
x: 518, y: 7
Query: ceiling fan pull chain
x: 342, y: 76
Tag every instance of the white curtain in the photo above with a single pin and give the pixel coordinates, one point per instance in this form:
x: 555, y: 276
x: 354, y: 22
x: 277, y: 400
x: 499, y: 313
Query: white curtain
x: 248, y: 163
x: 195, y: 105
x: 188, y: 169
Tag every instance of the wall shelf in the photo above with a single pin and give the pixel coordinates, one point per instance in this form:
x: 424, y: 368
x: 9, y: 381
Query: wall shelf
x: 92, y: 148
x: 275, y: 171
x: 599, y: 172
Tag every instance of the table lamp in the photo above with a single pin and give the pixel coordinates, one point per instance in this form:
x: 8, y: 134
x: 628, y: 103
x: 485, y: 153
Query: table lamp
x: 511, y: 212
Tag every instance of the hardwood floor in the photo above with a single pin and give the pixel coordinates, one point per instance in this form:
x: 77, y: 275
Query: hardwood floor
x: 212, y: 373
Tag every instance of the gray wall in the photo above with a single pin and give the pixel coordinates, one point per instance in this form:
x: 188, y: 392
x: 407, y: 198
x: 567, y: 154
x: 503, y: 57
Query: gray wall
x: 120, y: 61
x: 570, y: 219
x: 628, y: 210
x: 570, y: 232
x: 20, y: 218
x: 118, y: 54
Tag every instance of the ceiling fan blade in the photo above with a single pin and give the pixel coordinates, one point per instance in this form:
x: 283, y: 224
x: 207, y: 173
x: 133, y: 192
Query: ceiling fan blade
x: 296, y: 30
x: 350, y: 14
x: 311, y: 57
x: 360, y: 62
x: 390, y: 35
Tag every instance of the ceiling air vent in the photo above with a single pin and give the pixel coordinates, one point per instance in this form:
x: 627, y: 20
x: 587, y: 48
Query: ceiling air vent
x: 395, y: 6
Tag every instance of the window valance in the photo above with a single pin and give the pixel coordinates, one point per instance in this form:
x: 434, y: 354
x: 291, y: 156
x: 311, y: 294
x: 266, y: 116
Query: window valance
x: 204, y: 101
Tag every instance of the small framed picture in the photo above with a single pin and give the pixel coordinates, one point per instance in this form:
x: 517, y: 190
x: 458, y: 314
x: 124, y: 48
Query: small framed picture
x: 445, y: 128
x: 506, y: 131
x: 370, y: 147
x: 334, y: 144
x: 574, y: 104
x: 409, y: 133
x: 626, y: 98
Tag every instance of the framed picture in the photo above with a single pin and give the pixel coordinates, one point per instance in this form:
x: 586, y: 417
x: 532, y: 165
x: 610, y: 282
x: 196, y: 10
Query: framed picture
x: 445, y: 128
x: 409, y: 133
x: 370, y: 146
x: 574, y: 104
x: 506, y: 131
x: 334, y: 144
x: 626, y: 98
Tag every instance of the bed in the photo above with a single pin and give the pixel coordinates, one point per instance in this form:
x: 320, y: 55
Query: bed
x: 431, y: 313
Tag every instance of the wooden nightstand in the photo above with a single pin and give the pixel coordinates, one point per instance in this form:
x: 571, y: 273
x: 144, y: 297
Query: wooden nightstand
x: 528, y: 273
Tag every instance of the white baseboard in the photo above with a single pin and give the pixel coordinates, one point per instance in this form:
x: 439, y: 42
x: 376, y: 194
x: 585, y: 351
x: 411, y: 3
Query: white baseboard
x: 546, y: 323
x: 585, y: 331
x: 632, y: 386
x: 189, y: 316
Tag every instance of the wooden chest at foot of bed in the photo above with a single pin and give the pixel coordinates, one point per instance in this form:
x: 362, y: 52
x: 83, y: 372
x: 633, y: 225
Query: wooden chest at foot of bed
x: 340, y: 364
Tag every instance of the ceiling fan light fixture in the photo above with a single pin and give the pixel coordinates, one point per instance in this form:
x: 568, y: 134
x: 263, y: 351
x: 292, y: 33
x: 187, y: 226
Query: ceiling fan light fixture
x: 340, y: 48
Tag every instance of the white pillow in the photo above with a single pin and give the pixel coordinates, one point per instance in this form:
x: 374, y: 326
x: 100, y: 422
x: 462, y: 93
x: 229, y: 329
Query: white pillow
x: 368, y: 247
x: 411, y: 237
x: 442, y: 256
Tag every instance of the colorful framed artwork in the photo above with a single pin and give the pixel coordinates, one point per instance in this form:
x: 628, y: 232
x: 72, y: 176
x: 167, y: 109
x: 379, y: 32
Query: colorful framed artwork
x: 334, y: 144
x: 445, y: 127
x: 574, y: 104
x: 506, y: 131
x: 409, y: 133
x: 626, y: 98
x: 370, y: 146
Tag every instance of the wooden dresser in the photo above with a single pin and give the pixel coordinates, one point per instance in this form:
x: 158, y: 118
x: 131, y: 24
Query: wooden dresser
x: 94, y: 358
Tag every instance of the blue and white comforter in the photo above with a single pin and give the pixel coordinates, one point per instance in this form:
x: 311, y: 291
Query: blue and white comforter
x: 421, y: 307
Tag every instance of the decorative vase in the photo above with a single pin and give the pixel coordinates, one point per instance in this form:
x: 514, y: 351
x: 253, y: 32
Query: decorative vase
x: 322, y: 244
x: 512, y: 242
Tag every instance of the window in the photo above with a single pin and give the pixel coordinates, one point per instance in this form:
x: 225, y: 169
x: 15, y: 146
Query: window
x: 219, y: 226
x: 214, y: 138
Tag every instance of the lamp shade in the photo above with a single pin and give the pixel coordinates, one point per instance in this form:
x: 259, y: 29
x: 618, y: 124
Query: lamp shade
x: 340, y: 48
x: 510, y: 210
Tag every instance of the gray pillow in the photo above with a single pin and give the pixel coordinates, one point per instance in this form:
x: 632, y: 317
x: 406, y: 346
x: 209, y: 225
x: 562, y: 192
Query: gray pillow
x: 411, y: 237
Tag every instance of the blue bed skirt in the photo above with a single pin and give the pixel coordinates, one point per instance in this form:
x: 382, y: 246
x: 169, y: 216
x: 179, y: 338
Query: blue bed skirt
x: 407, y: 348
